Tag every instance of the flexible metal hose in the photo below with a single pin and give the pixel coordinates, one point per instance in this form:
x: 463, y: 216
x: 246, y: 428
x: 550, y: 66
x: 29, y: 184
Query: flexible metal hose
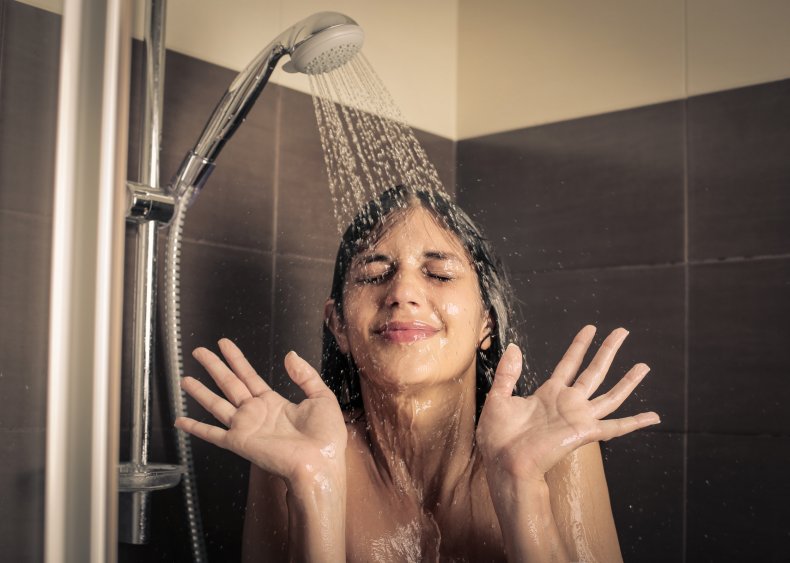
x: 174, y: 367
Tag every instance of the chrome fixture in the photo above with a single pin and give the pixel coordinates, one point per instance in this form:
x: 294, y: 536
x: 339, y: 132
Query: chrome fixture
x: 317, y: 44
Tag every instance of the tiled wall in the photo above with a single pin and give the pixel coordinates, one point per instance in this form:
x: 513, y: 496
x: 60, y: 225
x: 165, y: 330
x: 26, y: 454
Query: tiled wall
x: 667, y: 219
x: 670, y: 220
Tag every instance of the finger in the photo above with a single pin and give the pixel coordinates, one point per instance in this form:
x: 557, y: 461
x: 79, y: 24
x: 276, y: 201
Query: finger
x: 305, y: 376
x: 242, y: 368
x: 617, y: 427
x: 507, y: 372
x: 207, y: 432
x: 570, y: 363
x: 213, y: 403
x: 611, y: 401
x: 591, y: 378
x: 233, y: 388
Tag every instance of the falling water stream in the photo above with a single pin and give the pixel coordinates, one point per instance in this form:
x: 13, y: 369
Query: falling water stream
x: 367, y: 145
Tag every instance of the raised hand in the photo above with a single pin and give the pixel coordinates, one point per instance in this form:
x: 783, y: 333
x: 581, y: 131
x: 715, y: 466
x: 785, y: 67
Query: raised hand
x: 289, y: 440
x: 527, y: 436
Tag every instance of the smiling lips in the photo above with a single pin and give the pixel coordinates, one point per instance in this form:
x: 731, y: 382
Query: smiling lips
x: 405, y: 332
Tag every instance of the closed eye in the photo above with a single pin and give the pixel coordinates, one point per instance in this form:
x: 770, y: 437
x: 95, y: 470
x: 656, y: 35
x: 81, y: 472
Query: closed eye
x: 369, y: 278
x: 441, y: 277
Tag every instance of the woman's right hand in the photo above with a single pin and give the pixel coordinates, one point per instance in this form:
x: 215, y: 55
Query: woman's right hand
x: 293, y: 441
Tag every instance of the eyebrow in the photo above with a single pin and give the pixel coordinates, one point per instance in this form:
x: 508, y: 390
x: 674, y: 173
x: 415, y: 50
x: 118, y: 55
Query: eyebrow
x: 439, y: 255
x: 429, y: 254
x: 370, y: 258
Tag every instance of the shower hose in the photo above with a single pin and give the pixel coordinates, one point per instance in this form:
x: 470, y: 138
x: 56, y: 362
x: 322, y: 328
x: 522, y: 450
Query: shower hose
x: 174, y: 368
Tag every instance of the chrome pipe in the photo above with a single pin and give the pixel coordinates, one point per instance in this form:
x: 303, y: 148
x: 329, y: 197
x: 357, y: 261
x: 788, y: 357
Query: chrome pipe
x: 241, y: 95
x: 135, y: 505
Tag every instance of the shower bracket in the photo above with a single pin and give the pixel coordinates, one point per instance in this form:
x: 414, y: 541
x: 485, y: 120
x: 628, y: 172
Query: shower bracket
x: 147, y: 203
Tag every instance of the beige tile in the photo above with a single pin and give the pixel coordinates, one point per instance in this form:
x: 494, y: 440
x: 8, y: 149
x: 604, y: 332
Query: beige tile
x: 735, y: 43
x: 527, y: 63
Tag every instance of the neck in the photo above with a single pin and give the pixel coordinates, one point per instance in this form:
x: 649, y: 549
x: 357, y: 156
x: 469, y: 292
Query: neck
x: 422, y: 439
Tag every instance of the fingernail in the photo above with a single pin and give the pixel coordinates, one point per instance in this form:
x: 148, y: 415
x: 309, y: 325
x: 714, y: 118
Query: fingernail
x: 292, y: 352
x: 511, y: 345
x: 655, y: 419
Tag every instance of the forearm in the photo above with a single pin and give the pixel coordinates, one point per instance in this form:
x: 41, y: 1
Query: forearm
x: 528, y: 525
x: 317, y: 516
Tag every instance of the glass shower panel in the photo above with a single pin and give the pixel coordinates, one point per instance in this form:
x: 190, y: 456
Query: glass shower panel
x: 29, y: 65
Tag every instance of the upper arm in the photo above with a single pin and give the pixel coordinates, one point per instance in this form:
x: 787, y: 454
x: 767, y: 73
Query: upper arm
x: 266, y: 520
x: 581, y: 507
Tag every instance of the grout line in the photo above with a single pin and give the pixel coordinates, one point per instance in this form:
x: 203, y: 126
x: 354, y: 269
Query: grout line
x: 307, y: 258
x: 215, y: 244
x: 27, y: 214
x: 684, y: 263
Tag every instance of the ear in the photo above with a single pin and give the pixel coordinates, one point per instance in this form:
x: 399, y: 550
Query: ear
x: 486, y: 328
x: 335, y: 325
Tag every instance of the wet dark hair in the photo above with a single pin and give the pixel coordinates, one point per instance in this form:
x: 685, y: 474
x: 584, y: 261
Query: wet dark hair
x: 338, y: 370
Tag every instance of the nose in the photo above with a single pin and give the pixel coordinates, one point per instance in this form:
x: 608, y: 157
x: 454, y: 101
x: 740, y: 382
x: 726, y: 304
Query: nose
x: 405, y: 289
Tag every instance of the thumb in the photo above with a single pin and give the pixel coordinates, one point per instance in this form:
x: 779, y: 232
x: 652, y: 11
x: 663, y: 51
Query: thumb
x: 305, y: 376
x: 507, y: 372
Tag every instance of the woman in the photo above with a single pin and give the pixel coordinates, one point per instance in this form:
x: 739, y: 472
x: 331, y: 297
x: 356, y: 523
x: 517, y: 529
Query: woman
x: 423, y: 451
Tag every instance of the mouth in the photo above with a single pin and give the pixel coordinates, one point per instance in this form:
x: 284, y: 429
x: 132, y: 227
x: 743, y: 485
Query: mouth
x: 401, y: 332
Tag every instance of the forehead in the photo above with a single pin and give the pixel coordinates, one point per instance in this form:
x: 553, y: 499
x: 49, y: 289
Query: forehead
x: 415, y: 230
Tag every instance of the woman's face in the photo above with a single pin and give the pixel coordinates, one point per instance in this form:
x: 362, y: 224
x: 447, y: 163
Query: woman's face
x: 412, y: 312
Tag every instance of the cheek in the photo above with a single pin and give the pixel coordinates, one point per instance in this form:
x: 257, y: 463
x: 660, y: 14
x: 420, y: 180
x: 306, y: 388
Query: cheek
x: 463, y: 312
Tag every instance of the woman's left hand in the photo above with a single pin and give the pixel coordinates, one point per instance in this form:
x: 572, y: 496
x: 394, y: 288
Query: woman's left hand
x: 527, y: 436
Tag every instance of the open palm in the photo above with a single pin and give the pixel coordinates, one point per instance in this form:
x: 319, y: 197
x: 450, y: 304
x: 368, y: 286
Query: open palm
x: 281, y: 437
x: 527, y: 436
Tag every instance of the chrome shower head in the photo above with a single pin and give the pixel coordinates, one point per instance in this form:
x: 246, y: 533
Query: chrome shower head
x: 326, y: 50
x: 317, y: 44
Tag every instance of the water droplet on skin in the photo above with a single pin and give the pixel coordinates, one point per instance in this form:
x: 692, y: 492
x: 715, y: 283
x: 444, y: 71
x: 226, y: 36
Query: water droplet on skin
x: 329, y: 451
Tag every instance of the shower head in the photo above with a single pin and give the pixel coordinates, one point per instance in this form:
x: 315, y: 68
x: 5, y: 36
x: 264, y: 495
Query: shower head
x: 326, y: 50
x: 317, y: 44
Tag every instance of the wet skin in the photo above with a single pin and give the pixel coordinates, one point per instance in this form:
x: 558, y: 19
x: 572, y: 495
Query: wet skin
x: 412, y: 477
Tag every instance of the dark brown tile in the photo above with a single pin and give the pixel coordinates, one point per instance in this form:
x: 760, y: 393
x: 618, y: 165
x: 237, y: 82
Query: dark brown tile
x: 222, y: 479
x: 647, y: 301
x: 644, y: 472
x: 737, y: 498
x: 306, y: 224
x: 29, y: 66
x: 225, y: 293
x: 598, y: 191
x: 136, y: 94
x: 738, y: 353
x: 24, y: 299
x: 301, y: 289
x: 236, y: 204
x: 22, y: 491
x: 739, y: 172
